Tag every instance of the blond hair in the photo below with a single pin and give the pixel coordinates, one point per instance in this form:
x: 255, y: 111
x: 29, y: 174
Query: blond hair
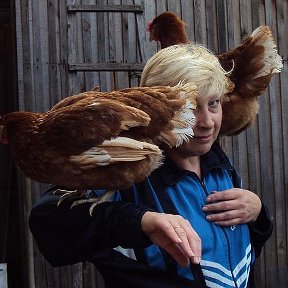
x: 187, y: 63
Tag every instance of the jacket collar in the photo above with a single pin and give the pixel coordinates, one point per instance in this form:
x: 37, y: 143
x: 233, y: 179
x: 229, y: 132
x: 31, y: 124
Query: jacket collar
x: 170, y: 173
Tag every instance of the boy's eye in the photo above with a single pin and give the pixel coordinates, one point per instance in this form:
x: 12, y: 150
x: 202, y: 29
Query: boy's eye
x: 214, y: 103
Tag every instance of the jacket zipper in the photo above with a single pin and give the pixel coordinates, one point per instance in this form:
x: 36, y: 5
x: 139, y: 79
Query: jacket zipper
x: 225, y: 234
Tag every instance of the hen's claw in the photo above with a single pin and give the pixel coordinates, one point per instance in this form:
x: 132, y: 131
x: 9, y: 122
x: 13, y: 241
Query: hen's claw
x: 95, y: 201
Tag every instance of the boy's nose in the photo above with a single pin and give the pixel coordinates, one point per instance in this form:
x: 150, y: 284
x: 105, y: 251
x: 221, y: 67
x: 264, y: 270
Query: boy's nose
x: 204, y: 119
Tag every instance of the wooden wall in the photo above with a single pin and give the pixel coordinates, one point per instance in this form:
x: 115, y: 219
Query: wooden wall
x: 62, y: 50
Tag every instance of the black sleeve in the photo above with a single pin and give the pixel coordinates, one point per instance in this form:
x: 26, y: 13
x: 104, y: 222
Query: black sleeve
x: 67, y: 235
x: 261, y: 230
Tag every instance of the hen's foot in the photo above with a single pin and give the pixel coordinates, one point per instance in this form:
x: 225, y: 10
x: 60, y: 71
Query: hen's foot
x: 95, y: 201
x: 66, y: 194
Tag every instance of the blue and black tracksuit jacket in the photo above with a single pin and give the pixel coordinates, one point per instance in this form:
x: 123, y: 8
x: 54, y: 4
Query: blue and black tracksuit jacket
x: 113, y: 241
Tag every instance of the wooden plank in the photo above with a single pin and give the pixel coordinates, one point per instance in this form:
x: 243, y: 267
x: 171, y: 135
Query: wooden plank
x: 121, y: 22
x: 279, y: 258
x: 87, y: 45
x: 212, y: 39
x: 252, y: 168
x: 161, y: 6
x: 232, y: 40
x: 119, y: 38
x: 131, y: 51
x: 89, y: 275
x: 20, y: 52
x: 248, y: 164
x: 255, y: 8
x: 28, y: 102
x: 27, y: 206
x: 102, y: 47
x: 278, y: 164
x: 245, y: 8
x: 187, y: 16
x: 233, y: 18
x: 94, y: 77
x: 222, y: 26
x: 174, y: 6
x: 40, y: 55
x: 106, y: 66
x: 63, y: 49
x: 282, y: 27
x: 72, y: 8
x: 145, y: 49
x: 54, y: 74
x: 200, y: 22
x: 76, y: 80
x: 266, y: 177
x: 261, y: 12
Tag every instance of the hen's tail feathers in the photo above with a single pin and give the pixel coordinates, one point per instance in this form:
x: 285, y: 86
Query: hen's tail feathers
x: 256, y: 60
x: 272, y: 62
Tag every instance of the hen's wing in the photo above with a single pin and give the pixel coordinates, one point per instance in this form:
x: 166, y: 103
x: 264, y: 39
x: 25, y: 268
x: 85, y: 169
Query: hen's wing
x: 75, y: 128
x: 101, y: 140
x: 254, y: 62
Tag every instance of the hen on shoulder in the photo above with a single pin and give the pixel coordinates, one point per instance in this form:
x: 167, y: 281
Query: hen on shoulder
x: 100, y: 140
x: 252, y: 65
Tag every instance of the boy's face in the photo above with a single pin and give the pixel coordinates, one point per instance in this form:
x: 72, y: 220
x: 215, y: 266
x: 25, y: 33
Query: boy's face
x: 208, y: 122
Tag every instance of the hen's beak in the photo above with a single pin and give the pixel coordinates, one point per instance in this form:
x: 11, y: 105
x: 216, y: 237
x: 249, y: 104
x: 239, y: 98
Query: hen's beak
x: 149, y: 26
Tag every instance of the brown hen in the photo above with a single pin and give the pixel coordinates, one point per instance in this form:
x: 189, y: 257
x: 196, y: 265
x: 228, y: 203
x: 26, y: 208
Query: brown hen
x: 167, y: 29
x: 252, y: 65
x: 100, y: 140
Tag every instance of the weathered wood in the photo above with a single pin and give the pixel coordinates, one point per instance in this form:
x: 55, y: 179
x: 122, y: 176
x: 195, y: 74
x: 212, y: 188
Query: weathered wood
x: 282, y: 26
x: 144, y: 48
x: 105, y: 8
x: 200, y: 22
x: 65, y: 47
x: 187, y: 13
x: 212, y: 37
x: 106, y: 66
x: 131, y: 49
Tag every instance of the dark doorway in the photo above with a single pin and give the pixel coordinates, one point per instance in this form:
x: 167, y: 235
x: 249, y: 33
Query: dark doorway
x: 10, y: 226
